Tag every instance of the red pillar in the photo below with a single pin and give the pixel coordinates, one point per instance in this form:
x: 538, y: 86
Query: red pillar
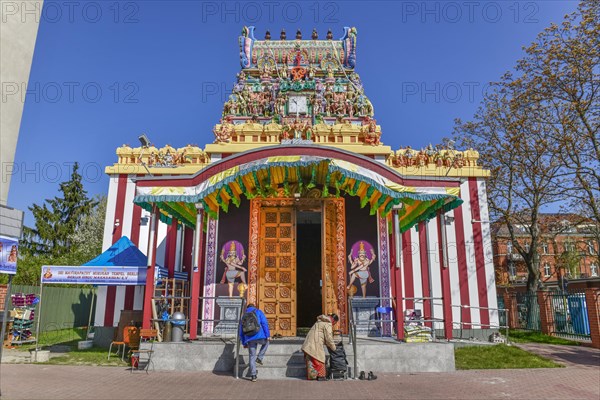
x: 197, y: 263
x: 171, y: 247
x: 546, y: 312
x: 445, y: 276
x: 512, y: 312
x: 592, y: 299
x: 149, y: 289
x: 425, y: 281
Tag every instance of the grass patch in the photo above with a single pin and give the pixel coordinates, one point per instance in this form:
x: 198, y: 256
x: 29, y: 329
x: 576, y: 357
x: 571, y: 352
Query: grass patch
x: 94, y: 356
x: 499, y: 357
x: 520, y: 336
x: 69, y: 338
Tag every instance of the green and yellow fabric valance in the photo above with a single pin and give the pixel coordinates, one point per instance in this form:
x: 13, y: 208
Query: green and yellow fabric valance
x: 283, y: 176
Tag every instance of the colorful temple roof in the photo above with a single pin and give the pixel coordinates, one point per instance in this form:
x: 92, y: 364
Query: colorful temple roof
x: 299, y: 91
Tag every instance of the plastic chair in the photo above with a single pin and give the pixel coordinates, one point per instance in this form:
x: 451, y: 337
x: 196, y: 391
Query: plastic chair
x: 137, y: 353
x: 120, y: 343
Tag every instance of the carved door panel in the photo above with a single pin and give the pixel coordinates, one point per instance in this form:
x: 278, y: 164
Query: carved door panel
x: 277, y: 269
x: 333, y: 269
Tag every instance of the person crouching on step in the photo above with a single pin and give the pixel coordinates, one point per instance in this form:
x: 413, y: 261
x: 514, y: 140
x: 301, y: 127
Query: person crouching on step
x: 320, y: 334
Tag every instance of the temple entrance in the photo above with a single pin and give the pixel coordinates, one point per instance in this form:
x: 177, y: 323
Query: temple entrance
x: 300, y: 261
x: 309, y: 248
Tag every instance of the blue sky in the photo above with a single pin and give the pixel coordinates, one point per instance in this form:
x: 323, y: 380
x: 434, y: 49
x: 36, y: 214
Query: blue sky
x: 104, y: 72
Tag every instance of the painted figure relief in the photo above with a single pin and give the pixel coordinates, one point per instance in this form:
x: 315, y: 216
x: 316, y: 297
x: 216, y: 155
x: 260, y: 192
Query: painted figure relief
x: 233, y: 266
x: 361, y: 256
x: 12, y: 258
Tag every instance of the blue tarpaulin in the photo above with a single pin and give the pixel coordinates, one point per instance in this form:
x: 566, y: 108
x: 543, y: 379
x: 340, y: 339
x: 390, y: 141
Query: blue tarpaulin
x: 122, y: 254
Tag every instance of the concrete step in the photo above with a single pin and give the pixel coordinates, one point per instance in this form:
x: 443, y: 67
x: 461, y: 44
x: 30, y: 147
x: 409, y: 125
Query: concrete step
x: 275, y: 372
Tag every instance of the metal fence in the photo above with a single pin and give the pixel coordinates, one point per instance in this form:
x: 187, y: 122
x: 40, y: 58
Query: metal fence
x: 570, y: 315
x: 502, y: 317
x: 64, y: 307
x: 528, y: 311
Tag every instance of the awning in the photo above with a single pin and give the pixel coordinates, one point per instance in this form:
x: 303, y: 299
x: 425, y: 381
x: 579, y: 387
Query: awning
x: 282, y: 176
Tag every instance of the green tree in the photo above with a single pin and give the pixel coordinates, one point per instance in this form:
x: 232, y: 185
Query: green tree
x: 68, y: 231
x: 57, y: 219
x: 87, y: 240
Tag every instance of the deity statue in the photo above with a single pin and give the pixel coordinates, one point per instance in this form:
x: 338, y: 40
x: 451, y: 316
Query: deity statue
x: 233, y: 263
x: 280, y: 104
x: 359, y: 267
x: 371, y: 134
x: 298, y: 127
x: 224, y: 132
x: 330, y: 72
x: 266, y: 72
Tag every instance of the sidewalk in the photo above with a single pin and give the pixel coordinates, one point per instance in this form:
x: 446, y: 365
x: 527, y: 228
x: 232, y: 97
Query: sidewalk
x: 570, y: 356
x: 71, y: 382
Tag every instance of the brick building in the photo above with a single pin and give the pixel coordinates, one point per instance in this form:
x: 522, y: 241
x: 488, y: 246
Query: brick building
x: 568, y: 246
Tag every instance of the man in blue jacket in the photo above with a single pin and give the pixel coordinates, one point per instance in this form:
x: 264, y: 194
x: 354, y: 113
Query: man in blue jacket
x: 251, y: 340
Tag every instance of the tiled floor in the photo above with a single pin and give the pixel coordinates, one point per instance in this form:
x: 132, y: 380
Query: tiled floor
x: 578, y: 381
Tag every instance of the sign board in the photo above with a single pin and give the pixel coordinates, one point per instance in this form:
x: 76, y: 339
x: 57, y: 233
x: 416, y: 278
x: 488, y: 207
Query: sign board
x: 94, y: 275
x: 11, y: 229
x: 9, y: 250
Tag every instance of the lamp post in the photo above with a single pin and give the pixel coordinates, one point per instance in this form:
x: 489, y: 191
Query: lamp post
x: 145, y: 142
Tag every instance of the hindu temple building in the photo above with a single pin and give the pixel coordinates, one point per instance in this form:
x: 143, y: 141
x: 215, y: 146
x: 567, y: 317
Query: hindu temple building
x: 299, y: 205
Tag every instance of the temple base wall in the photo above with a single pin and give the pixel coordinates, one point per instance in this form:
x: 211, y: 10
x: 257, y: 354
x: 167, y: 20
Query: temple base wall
x: 285, y: 359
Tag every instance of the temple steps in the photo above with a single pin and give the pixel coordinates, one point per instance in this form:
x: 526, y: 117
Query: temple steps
x: 284, y: 359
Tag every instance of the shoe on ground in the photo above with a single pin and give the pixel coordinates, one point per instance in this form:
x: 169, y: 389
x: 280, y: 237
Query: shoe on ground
x: 322, y: 378
x: 361, y: 376
x: 259, y: 361
x: 253, y: 379
x: 371, y: 376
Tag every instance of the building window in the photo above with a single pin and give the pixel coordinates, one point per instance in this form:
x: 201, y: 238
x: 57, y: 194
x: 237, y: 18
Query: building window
x: 544, y: 248
x: 594, y: 270
x: 569, y: 246
x: 591, y: 247
x: 512, y: 271
x: 509, y: 247
x: 546, y: 270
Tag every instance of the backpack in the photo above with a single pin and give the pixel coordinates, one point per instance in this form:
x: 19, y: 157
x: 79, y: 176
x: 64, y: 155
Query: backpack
x: 250, y: 324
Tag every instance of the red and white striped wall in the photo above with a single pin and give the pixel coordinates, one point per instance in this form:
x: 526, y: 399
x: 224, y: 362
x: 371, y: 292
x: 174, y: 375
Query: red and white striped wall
x: 470, y: 263
x: 123, y: 218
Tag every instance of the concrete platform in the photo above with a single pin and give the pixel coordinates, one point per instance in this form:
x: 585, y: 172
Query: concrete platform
x: 284, y: 358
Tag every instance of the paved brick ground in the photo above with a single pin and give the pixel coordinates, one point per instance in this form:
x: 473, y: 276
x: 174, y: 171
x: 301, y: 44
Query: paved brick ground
x: 69, y: 382
x: 571, y: 356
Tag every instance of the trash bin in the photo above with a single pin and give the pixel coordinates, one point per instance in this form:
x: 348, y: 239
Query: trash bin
x: 178, y: 325
x: 579, y: 315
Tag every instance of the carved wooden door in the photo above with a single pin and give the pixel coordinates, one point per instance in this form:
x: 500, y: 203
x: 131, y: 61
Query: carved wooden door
x: 333, y: 271
x: 277, y: 269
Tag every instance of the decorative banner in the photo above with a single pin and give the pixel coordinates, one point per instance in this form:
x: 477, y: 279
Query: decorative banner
x: 94, y: 275
x: 9, y: 250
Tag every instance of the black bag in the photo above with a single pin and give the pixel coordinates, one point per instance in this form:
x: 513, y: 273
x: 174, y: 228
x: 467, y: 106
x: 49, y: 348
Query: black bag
x: 337, y: 359
x: 250, y: 324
